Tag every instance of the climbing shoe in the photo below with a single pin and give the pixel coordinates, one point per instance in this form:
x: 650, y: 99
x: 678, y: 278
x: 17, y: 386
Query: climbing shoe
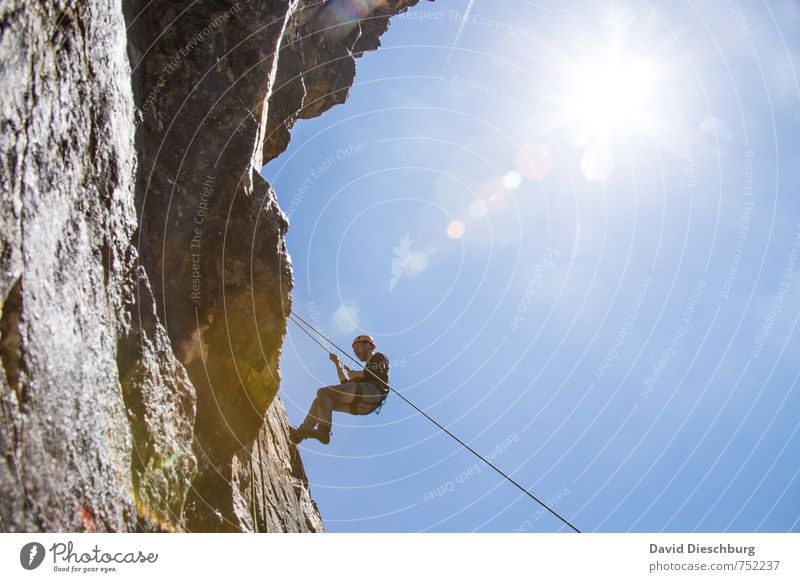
x: 323, y: 433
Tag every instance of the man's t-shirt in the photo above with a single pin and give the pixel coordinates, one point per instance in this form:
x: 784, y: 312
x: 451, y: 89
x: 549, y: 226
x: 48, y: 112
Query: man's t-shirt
x: 379, y: 365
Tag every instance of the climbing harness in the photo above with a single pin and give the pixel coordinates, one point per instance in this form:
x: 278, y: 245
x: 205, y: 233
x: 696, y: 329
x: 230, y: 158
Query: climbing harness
x: 465, y: 445
x: 359, y: 399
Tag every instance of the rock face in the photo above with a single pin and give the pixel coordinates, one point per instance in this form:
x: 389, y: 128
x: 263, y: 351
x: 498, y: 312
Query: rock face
x: 67, y: 268
x: 144, y: 279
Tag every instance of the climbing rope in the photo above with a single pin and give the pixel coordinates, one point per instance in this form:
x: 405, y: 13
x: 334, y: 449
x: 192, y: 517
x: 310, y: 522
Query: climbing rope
x: 465, y: 445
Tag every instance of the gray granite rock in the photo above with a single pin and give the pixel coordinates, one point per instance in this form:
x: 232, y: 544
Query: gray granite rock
x: 68, y: 163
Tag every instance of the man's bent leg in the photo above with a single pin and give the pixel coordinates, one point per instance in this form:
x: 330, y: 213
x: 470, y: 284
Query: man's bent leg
x: 312, y: 417
x: 316, y: 414
x: 335, y: 397
x: 324, y: 407
x: 329, y: 398
x: 342, y: 396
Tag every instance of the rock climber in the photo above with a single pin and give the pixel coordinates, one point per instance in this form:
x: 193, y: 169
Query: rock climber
x: 362, y: 393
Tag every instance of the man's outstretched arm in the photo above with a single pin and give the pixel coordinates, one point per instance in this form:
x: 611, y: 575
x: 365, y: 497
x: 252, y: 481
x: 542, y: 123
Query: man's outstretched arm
x: 342, y: 378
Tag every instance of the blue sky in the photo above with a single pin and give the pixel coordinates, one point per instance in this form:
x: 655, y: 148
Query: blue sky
x: 574, y: 230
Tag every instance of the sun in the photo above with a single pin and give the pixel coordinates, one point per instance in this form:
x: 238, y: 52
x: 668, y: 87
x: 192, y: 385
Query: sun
x: 606, y: 98
x: 610, y: 96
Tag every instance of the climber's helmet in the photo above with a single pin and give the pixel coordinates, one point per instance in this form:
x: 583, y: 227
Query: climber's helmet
x: 364, y: 338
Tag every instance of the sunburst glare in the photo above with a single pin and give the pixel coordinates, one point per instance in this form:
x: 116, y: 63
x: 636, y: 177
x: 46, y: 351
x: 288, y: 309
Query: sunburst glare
x: 604, y: 99
x: 611, y: 96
